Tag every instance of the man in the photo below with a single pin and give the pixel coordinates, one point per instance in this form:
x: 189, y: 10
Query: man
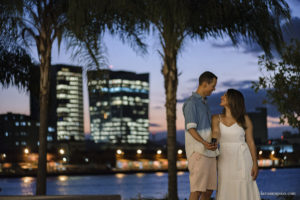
x: 201, y: 153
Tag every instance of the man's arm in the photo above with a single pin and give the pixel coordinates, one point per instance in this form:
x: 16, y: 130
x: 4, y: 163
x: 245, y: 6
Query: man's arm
x: 190, y: 116
x: 197, y: 137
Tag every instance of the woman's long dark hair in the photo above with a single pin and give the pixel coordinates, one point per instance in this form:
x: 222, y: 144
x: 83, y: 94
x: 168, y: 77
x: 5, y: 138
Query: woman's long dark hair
x: 237, y: 107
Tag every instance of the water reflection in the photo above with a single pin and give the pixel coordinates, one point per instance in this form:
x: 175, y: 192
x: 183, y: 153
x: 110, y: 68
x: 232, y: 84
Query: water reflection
x: 62, y: 178
x: 120, y: 176
x: 27, y: 180
x: 159, y: 173
x: 154, y: 185
x: 180, y: 173
x: 273, y: 170
x: 27, y: 185
x: 140, y: 175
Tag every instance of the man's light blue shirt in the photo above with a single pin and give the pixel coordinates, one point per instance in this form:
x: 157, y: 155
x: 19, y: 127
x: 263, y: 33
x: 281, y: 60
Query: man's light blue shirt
x: 197, y: 115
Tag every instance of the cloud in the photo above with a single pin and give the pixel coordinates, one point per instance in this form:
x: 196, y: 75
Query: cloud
x: 192, y: 80
x: 252, y: 48
x: 182, y: 100
x: 290, y: 31
x: 157, y: 107
x: 224, y: 45
x: 154, y: 125
x: 237, y: 84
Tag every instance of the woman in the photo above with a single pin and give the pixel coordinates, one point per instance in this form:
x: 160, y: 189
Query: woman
x: 237, y: 163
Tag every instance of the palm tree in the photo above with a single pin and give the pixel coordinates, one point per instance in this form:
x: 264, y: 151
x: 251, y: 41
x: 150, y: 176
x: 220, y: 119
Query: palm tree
x: 176, y: 20
x: 15, y: 66
x: 42, y: 22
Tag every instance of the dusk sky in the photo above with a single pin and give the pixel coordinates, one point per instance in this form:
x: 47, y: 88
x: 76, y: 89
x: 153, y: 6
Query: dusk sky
x: 234, y: 66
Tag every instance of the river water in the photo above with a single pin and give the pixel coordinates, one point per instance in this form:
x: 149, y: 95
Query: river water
x: 271, y: 183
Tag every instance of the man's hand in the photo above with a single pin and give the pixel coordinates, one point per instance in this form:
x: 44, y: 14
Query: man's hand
x: 210, y: 146
x: 197, y: 137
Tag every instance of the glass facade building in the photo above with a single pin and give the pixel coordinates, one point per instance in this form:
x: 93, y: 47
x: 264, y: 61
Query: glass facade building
x: 65, y: 108
x: 118, y: 108
x: 69, y: 103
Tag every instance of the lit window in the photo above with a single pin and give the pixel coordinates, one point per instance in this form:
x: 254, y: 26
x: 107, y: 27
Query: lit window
x: 49, y: 138
x: 51, y: 129
x: 17, y: 123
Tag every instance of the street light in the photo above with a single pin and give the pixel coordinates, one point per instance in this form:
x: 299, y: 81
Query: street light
x: 260, y: 152
x: 62, y: 151
x: 139, y: 151
x: 26, y: 151
x: 64, y: 159
x: 4, y: 155
x: 179, y: 151
x: 119, y: 151
x: 273, y: 152
x: 159, y: 151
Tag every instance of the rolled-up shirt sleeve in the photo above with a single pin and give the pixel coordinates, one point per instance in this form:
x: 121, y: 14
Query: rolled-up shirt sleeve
x: 190, y: 116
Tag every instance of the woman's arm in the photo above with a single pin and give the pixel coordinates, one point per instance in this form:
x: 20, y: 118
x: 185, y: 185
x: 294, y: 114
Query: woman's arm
x: 252, y: 147
x: 215, y: 127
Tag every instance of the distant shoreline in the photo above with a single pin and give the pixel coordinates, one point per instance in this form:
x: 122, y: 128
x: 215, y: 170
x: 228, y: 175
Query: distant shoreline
x: 109, y: 172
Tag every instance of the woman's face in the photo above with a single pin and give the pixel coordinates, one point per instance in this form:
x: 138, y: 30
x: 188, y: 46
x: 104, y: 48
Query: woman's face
x: 224, y: 101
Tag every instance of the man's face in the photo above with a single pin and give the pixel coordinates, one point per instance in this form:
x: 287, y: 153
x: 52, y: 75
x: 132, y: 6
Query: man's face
x: 210, y: 87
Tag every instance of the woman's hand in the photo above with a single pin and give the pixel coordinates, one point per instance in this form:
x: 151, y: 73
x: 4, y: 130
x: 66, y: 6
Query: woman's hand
x: 254, y: 171
x: 210, y: 146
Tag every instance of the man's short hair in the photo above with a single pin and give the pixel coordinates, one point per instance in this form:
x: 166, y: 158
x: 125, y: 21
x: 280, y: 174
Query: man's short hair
x: 207, y: 77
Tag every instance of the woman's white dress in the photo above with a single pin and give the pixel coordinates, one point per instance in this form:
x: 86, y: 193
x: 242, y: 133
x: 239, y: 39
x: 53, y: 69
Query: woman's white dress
x: 234, y: 166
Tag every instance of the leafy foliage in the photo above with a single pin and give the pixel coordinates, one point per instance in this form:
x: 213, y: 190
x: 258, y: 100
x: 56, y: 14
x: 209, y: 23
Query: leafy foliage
x: 282, y: 81
x: 15, y: 65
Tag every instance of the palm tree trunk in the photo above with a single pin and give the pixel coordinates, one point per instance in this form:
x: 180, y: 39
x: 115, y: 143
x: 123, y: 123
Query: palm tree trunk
x: 171, y: 81
x: 44, y: 49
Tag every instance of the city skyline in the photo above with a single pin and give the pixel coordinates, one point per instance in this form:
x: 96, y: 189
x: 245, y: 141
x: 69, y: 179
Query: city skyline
x: 230, y: 64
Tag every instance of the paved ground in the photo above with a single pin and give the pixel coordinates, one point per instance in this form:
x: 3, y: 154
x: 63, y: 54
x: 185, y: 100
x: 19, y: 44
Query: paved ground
x: 63, y: 197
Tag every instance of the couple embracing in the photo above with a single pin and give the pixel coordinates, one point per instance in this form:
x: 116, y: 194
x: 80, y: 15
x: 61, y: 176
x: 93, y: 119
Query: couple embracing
x: 232, y: 169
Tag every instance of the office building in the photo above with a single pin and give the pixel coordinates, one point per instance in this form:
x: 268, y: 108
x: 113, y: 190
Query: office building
x: 119, y: 106
x: 65, y: 110
x: 259, y: 121
x: 18, y: 132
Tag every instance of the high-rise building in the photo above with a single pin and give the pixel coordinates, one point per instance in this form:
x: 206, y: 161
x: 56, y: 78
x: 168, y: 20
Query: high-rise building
x: 259, y: 121
x: 119, y: 106
x: 69, y: 108
x: 65, y: 110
